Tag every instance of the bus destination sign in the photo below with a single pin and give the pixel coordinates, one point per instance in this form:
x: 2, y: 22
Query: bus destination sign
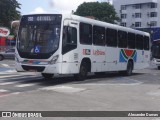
x: 41, y: 18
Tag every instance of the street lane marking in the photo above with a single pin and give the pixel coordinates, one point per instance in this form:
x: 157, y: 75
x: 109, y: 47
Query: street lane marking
x: 7, y: 76
x: 25, y: 85
x: 2, y: 90
x: 8, y: 83
x: 17, y: 77
x: 64, y: 89
x: 154, y: 93
x: 8, y: 72
x: 5, y: 65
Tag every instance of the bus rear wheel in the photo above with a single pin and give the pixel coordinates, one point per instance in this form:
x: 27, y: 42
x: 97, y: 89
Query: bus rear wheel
x: 128, y: 72
x: 158, y: 67
x: 82, y: 72
x: 47, y: 76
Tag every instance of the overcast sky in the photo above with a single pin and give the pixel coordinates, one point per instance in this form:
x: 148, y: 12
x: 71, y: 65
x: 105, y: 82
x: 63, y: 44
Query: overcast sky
x: 51, y: 6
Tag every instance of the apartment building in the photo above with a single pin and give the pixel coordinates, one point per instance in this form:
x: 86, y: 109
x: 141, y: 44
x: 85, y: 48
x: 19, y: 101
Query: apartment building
x: 140, y: 14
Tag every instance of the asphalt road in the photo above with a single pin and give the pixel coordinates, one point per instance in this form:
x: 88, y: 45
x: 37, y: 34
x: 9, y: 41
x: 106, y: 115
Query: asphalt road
x: 110, y: 92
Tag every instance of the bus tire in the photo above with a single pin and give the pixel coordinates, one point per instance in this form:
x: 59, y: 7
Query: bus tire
x: 1, y: 57
x: 129, y: 69
x: 82, y: 72
x: 158, y: 67
x: 47, y: 76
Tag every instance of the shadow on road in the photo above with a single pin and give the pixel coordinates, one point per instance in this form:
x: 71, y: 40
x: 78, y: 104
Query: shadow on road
x: 70, y: 79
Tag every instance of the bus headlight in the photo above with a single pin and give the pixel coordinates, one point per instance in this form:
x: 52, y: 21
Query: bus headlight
x: 54, y: 59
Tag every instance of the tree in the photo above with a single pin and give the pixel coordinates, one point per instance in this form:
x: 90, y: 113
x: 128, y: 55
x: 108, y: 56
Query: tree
x: 103, y: 11
x: 8, y: 12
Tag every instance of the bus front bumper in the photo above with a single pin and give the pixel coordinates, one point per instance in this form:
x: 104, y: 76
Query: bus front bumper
x: 55, y: 68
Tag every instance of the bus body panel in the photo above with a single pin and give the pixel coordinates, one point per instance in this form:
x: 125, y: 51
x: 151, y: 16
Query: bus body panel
x: 102, y: 58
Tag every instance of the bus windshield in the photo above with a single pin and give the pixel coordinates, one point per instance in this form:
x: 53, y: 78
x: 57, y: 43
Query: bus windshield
x: 39, y: 34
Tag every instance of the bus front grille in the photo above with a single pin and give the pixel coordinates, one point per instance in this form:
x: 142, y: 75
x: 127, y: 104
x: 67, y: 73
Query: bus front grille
x: 33, y: 68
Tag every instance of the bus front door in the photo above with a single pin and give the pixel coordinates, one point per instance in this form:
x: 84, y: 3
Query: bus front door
x: 69, y: 48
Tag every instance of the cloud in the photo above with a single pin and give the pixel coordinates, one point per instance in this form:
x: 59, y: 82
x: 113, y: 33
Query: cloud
x: 38, y: 10
x: 67, y: 5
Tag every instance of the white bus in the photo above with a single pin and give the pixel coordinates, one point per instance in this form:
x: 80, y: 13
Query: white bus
x: 155, y: 53
x: 70, y: 44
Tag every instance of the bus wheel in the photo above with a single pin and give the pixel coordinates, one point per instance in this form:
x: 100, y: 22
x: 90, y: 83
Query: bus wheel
x: 1, y: 57
x: 82, y: 72
x: 129, y: 68
x: 158, y: 67
x: 47, y: 76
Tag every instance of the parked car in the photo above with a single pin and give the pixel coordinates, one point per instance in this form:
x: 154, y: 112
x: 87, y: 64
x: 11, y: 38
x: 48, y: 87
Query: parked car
x: 8, y: 54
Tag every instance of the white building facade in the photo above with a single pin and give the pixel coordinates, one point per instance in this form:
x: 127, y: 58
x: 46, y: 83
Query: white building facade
x: 140, y: 14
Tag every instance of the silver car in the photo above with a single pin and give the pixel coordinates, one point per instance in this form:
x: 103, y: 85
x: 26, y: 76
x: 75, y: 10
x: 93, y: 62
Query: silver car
x: 8, y: 54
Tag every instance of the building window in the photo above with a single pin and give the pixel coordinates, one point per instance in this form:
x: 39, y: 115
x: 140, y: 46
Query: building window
x: 123, y: 16
x: 153, y: 23
x: 137, y: 15
x: 137, y: 6
x: 153, y: 14
x: 137, y: 24
x: 123, y: 7
x: 123, y: 24
x: 153, y: 5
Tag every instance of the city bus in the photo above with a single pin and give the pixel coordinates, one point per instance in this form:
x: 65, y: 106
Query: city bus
x: 70, y: 44
x: 155, y: 53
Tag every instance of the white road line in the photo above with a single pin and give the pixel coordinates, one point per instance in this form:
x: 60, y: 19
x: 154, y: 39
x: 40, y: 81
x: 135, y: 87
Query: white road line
x: 5, y: 65
x: 9, y: 76
x: 7, y: 83
x: 2, y: 90
x: 25, y: 85
x: 15, y: 77
x: 8, y: 72
x: 64, y: 89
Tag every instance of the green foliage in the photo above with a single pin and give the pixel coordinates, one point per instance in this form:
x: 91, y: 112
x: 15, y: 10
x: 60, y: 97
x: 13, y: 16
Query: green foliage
x: 8, y: 12
x: 101, y: 11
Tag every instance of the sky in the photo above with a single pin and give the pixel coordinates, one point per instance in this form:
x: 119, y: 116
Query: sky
x: 51, y: 6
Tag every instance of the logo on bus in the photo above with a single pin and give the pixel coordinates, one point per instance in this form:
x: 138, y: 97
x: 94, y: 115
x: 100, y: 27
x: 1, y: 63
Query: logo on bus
x: 98, y: 52
x: 86, y: 52
x: 126, y: 54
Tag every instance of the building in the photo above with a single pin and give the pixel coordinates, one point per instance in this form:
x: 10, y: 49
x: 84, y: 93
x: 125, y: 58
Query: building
x: 140, y: 14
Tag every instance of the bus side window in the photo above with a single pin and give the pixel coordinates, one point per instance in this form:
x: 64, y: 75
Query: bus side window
x: 85, y: 34
x: 111, y: 37
x: 122, y: 39
x: 131, y: 40
x: 139, y: 42
x: 98, y: 35
x: 146, y: 43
